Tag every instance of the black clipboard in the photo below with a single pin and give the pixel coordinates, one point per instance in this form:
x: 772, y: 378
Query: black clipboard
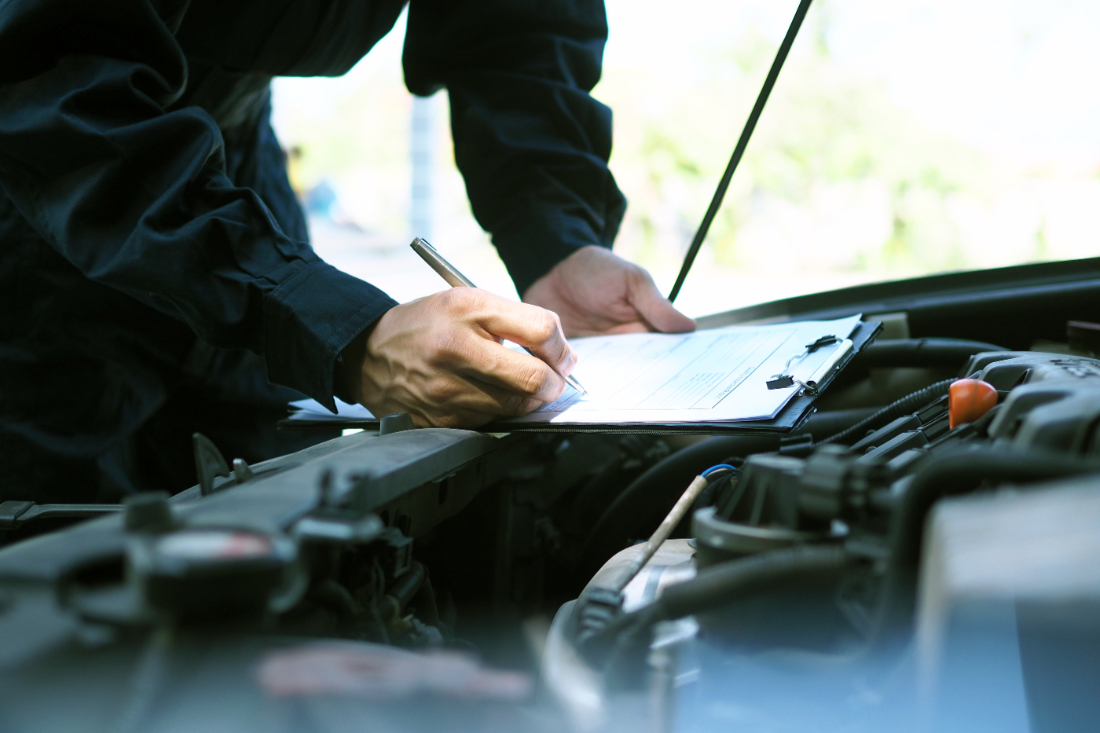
x: 790, y: 417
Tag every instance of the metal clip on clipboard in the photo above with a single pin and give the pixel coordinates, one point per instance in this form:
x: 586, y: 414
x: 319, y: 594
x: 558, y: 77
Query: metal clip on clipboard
x: 809, y: 387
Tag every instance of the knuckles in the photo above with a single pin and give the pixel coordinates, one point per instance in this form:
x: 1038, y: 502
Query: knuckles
x: 448, y: 341
x: 545, y: 327
x: 444, y: 346
x: 534, y: 380
x: 638, y: 277
x: 461, y: 301
x: 442, y: 392
x: 546, y: 330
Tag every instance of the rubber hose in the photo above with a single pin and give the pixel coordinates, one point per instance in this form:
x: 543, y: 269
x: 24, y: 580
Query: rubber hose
x: 647, y: 500
x: 929, y: 352
x: 947, y: 475
x: 905, y: 406
x: 833, y: 421
x: 721, y: 584
x: 958, y: 472
x: 627, y: 639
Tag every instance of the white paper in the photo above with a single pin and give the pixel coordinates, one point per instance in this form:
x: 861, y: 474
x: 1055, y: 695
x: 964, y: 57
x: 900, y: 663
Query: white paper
x: 716, y: 375
x: 314, y: 410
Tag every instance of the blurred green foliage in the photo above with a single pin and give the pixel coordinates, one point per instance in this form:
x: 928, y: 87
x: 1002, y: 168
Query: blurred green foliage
x: 825, y: 125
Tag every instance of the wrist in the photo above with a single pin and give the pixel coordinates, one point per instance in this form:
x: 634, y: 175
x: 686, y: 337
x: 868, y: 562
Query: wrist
x: 533, y: 245
x: 348, y: 373
x: 545, y: 280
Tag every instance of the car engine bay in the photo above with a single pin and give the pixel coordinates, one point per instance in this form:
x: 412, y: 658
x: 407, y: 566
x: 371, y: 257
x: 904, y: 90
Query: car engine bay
x: 910, y: 558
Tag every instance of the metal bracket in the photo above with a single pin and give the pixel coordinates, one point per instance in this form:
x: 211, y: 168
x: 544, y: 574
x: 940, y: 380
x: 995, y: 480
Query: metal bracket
x: 209, y: 463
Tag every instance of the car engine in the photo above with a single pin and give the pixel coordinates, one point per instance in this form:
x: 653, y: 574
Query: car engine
x: 921, y: 554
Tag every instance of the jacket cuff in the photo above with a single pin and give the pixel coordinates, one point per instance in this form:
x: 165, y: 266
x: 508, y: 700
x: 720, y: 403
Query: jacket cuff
x: 531, y: 246
x: 309, y: 319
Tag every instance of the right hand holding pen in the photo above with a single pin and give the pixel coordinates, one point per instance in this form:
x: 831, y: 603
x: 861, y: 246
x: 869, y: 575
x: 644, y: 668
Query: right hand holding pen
x: 440, y: 359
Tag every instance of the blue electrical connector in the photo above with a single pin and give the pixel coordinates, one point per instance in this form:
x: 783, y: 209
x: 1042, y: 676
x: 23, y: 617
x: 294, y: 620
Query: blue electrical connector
x: 719, y: 467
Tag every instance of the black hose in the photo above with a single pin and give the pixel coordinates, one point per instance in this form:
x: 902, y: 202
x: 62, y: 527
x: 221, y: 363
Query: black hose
x: 647, y: 500
x: 334, y: 597
x: 832, y: 421
x: 929, y: 352
x: 948, y: 475
x: 905, y: 406
x: 961, y: 471
x: 621, y: 646
x: 721, y: 584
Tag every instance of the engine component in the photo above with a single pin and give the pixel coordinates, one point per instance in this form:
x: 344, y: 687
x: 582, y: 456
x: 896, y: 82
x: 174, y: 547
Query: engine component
x: 820, y: 556
x: 969, y: 400
x: 895, y: 411
x: 210, y: 571
x: 1011, y: 578
x: 799, y: 581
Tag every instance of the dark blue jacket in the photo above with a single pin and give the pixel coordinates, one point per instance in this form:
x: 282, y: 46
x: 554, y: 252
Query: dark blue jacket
x: 142, y: 187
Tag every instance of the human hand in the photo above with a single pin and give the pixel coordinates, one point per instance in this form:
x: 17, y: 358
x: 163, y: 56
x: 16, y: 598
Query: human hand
x: 594, y: 292
x: 441, y: 360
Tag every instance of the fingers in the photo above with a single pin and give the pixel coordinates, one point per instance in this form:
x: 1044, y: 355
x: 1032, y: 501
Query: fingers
x: 456, y: 400
x: 654, y: 307
x: 440, y: 359
x: 452, y: 400
x: 518, y: 374
x: 479, y: 398
x: 537, y: 329
x: 527, y: 325
x: 596, y: 292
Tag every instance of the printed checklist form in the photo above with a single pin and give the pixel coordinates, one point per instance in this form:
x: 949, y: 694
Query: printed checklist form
x: 718, y: 375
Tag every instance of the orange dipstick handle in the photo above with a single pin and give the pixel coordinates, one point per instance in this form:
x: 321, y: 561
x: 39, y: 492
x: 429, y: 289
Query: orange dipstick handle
x: 968, y: 400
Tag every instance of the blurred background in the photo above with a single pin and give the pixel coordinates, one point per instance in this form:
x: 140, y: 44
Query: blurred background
x: 903, y: 138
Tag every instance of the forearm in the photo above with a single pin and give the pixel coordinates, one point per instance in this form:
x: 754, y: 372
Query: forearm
x: 530, y: 140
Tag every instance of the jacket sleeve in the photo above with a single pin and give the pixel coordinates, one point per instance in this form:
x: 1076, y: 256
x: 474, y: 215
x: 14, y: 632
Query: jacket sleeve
x: 137, y: 197
x: 530, y: 141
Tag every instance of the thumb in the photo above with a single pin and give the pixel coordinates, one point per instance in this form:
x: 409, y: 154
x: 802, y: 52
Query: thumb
x: 655, y: 308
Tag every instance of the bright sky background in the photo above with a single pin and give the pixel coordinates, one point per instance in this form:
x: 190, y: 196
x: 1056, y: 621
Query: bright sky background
x: 1013, y: 77
x: 1017, y: 82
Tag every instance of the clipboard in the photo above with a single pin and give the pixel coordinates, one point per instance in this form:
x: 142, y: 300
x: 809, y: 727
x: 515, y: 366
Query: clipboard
x: 793, y: 414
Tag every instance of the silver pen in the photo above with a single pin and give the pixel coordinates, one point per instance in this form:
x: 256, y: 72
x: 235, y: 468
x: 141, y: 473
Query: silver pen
x: 456, y: 279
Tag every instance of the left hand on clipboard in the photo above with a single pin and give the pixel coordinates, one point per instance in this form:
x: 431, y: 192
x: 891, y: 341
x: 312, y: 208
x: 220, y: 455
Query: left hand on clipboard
x: 596, y: 292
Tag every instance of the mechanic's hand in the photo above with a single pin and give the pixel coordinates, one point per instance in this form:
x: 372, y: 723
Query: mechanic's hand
x: 594, y: 291
x: 440, y: 359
